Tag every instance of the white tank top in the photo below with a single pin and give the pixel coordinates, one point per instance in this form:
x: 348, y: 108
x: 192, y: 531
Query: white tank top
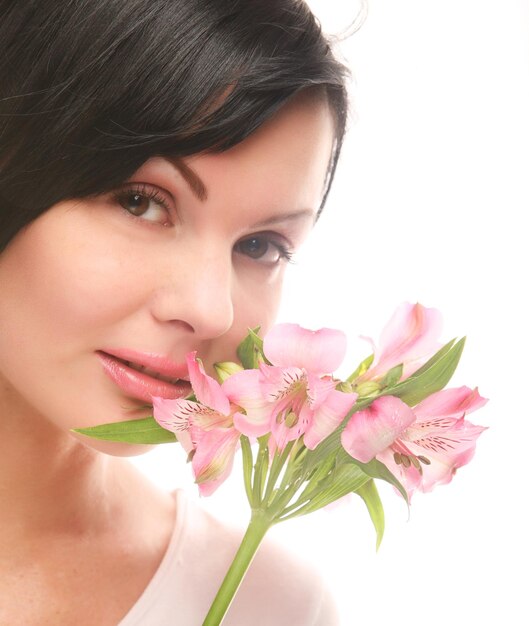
x: 278, y: 589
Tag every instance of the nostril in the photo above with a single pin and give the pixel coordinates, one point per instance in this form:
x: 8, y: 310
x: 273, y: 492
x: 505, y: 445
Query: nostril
x: 185, y: 326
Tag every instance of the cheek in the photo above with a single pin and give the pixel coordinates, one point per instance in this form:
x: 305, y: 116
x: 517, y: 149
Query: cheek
x: 260, y: 306
x: 66, y: 289
x: 255, y: 305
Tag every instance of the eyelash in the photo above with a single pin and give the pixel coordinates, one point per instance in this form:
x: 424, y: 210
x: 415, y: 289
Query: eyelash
x: 285, y: 252
x: 149, y: 193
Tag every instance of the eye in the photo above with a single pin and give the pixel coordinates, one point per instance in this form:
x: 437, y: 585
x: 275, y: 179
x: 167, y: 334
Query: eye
x: 265, y: 249
x: 144, y: 202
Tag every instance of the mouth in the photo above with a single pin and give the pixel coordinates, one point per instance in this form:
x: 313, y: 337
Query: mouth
x: 150, y: 372
x: 143, y: 382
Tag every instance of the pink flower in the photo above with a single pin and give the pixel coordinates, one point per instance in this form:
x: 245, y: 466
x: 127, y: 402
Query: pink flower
x: 371, y: 431
x: 213, y: 457
x: 205, y: 428
x: 410, y: 337
x: 423, y: 446
x: 300, y: 393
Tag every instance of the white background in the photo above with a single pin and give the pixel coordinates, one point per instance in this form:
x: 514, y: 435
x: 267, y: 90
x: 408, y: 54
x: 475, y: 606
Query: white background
x: 429, y: 205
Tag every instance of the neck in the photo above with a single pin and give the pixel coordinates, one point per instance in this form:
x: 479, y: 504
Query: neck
x: 49, y: 482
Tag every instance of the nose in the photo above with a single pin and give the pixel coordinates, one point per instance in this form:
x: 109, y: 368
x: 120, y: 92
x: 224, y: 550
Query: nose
x: 197, y: 295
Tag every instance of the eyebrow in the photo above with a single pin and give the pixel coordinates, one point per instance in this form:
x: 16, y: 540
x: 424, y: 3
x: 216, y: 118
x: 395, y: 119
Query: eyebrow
x: 195, y: 183
x: 200, y: 191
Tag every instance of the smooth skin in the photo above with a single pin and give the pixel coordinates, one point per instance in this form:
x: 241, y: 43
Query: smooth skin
x: 83, y: 532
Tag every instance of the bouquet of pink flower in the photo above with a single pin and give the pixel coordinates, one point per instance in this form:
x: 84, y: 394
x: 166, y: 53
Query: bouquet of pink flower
x: 308, y: 438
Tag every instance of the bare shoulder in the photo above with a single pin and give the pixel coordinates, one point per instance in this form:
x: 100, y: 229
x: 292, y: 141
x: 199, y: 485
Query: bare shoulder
x: 280, y: 587
x: 291, y: 589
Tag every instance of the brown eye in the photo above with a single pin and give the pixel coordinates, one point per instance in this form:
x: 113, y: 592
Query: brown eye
x: 263, y: 249
x: 145, y: 203
x: 135, y: 203
x: 255, y: 247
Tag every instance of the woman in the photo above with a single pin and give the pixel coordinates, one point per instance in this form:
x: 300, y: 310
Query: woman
x: 160, y: 162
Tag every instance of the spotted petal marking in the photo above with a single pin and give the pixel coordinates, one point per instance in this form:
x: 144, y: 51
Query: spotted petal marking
x: 436, y: 423
x: 184, y: 413
x: 279, y: 382
x: 444, y: 435
x: 169, y: 413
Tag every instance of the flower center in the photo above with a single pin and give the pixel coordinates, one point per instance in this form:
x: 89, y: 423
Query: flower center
x: 407, y: 460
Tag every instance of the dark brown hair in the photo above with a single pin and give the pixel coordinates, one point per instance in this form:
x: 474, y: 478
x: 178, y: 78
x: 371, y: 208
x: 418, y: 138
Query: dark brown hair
x: 91, y: 89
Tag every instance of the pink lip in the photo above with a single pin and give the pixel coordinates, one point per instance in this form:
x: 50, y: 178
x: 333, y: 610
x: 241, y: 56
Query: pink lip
x: 158, y: 362
x: 140, y: 385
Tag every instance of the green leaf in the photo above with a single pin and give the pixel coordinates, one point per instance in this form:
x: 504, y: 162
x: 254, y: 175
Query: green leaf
x: 361, y: 369
x: 146, y: 431
x: 431, y: 377
x: 250, y: 350
x: 376, y: 469
x: 369, y: 494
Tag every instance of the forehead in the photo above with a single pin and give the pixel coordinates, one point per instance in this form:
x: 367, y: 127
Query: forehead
x: 281, y: 166
x: 288, y: 155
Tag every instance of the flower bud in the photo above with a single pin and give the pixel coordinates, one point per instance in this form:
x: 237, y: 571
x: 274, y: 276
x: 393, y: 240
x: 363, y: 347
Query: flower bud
x: 367, y: 388
x: 345, y: 387
x: 225, y: 369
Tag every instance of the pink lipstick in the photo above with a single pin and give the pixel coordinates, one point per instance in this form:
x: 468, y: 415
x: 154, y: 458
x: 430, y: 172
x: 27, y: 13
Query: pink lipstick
x: 142, y: 375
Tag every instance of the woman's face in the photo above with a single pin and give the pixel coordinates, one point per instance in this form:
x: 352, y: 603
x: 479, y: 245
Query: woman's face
x: 179, y: 259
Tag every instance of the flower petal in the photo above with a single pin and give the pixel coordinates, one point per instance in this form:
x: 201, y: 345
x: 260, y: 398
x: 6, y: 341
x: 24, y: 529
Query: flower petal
x: 318, y: 351
x: 374, y: 429
x: 442, y: 436
x: 410, y: 337
x: 410, y: 477
x: 180, y: 415
x: 318, y: 389
x: 447, y: 443
x: 442, y: 468
x: 328, y: 417
x: 171, y: 415
x: 213, y: 458
x: 288, y: 425
x: 244, y: 389
x: 207, y: 390
x: 450, y: 403
x: 278, y: 383
x: 249, y: 426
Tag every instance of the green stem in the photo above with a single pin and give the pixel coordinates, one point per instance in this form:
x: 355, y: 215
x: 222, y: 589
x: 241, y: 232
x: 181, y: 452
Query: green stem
x: 284, y: 496
x: 247, y: 463
x: 295, y: 511
x: 277, y: 465
x: 257, y: 528
x: 260, y: 471
x: 303, y: 498
x: 314, y: 484
x: 313, y: 489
